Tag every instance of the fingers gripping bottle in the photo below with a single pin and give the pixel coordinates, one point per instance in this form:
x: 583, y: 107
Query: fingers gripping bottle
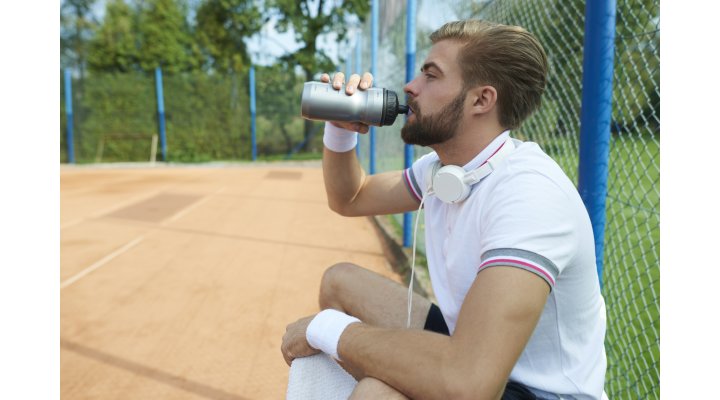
x: 372, y: 106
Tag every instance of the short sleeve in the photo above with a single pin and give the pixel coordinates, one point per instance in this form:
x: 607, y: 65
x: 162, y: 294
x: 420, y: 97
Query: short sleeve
x: 529, y: 222
x: 414, y: 176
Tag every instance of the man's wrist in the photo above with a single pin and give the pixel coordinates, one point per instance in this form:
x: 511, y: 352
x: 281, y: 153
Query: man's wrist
x: 338, y: 139
x: 325, y: 330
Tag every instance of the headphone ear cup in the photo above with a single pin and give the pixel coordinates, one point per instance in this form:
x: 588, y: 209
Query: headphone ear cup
x: 449, y: 184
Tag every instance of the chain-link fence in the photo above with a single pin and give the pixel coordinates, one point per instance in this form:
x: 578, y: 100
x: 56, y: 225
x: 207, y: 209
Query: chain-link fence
x: 631, y: 260
x: 207, y: 117
x: 116, y: 117
x: 632, y: 238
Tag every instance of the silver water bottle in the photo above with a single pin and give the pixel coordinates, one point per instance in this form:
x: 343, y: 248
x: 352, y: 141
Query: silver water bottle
x: 372, y: 106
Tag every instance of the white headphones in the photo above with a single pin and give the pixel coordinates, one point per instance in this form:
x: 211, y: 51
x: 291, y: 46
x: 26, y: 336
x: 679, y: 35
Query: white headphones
x: 452, y: 184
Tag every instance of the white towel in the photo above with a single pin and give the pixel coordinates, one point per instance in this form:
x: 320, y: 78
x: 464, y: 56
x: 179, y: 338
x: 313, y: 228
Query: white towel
x: 319, y: 377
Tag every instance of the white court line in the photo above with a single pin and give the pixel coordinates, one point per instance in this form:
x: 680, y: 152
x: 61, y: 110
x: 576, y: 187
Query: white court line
x: 101, y: 262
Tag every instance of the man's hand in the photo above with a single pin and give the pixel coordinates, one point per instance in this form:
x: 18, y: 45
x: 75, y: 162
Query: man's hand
x: 294, y: 343
x: 354, y: 83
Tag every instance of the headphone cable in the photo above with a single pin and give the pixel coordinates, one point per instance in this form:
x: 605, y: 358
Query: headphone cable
x: 412, y: 270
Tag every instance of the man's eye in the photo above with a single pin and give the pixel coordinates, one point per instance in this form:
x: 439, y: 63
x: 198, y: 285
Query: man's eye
x: 429, y: 76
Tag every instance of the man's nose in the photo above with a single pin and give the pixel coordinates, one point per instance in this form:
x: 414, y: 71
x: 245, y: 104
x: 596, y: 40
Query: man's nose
x: 410, y: 88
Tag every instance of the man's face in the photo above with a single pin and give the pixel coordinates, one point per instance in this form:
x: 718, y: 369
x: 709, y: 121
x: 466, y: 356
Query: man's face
x: 436, y: 97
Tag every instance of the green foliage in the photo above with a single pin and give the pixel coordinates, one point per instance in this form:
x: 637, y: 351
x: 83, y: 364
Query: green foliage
x: 138, y: 35
x: 222, y: 28
x: 165, y: 37
x: 76, y: 25
x: 292, y: 157
x: 278, y: 91
x: 123, y: 111
x: 114, y: 46
x: 207, y: 117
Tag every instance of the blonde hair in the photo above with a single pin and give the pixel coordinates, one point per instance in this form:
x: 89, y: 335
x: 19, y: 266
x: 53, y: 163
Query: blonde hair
x: 509, y: 58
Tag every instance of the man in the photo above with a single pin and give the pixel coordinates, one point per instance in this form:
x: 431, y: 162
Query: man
x: 519, y: 313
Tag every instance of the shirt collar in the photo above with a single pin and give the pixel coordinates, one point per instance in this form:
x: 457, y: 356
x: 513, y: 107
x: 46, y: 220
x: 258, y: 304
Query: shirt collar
x: 487, y: 152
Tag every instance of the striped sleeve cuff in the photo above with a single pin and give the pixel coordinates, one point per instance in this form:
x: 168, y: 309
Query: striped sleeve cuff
x: 412, y: 184
x: 523, y: 259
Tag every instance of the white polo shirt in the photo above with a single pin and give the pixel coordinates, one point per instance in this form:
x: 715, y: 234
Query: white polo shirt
x: 526, y: 214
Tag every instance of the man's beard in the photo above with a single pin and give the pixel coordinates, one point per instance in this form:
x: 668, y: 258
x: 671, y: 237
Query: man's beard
x: 436, y: 128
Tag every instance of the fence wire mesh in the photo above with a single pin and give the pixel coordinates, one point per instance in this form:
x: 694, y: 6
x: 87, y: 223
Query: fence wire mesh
x: 115, y: 117
x: 631, y: 259
x: 632, y: 239
x: 207, y: 117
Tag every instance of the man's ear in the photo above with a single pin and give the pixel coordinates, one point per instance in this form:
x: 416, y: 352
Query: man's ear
x: 483, y: 99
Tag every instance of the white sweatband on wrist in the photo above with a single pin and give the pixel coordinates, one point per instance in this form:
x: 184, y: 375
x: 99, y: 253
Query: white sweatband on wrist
x: 339, y: 140
x: 325, y: 330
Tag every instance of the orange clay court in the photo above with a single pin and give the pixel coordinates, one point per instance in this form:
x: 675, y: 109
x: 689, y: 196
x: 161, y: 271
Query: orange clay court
x: 178, y: 282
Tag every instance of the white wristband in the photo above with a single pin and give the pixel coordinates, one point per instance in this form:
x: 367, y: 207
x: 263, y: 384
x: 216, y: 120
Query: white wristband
x: 325, y: 330
x: 339, y: 140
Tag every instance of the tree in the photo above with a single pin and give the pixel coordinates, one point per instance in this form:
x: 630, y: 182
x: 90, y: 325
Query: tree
x: 222, y: 27
x: 165, y: 37
x: 76, y: 24
x: 309, y: 20
x: 114, y: 47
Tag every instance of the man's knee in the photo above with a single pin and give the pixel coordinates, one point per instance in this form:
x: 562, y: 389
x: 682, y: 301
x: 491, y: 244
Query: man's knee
x: 334, y: 282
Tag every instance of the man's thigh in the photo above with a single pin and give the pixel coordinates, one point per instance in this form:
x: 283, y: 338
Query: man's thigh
x: 371, y: 297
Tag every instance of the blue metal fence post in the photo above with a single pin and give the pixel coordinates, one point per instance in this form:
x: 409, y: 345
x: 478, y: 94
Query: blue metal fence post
x: 595, y: 115
x: 348, y: 72
x: 253, y: 137
x: 348, y: 62
x: 161, y: 111
x: 409, y: 75
x: 374, y: 12
x: 69, y: 137
x: 358, y: 69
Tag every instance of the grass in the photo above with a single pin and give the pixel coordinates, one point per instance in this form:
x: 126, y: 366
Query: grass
x: 632, y: 269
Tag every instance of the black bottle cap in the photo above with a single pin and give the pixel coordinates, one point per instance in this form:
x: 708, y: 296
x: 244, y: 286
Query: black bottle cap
x: 391, y: 108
